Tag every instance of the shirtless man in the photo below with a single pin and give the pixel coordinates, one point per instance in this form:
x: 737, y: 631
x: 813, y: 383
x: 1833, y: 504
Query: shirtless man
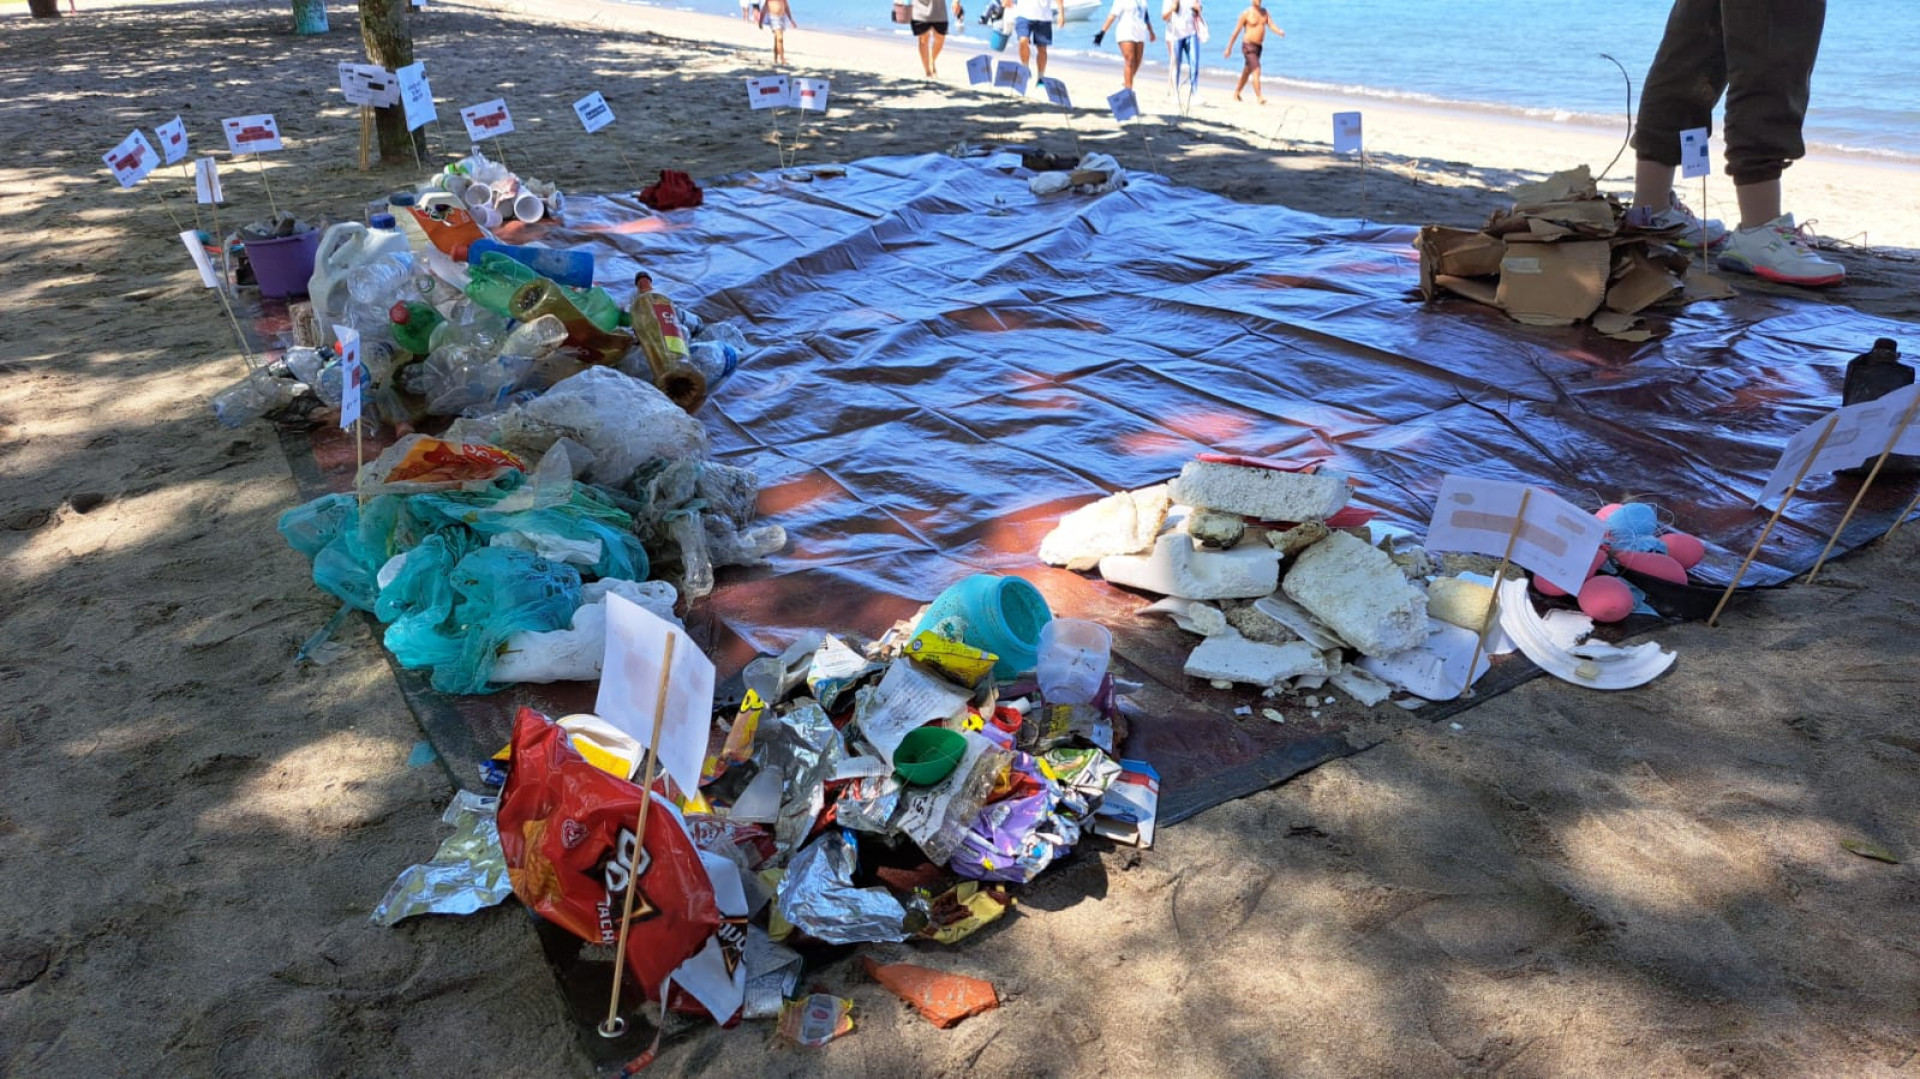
x: 1255, y: 22
x: 777, y: 15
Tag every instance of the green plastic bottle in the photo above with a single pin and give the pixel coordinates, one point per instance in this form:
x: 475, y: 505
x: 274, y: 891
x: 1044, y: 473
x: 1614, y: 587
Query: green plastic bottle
x: 413, y: 325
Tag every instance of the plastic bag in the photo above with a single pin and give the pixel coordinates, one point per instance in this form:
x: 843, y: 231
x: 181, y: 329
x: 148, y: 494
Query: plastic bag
x: 500, y: 592
x: 625, y: 423
x: 457, y: 378
x: 575, y: 653
x: 347, y: 546
x: 420, y: 463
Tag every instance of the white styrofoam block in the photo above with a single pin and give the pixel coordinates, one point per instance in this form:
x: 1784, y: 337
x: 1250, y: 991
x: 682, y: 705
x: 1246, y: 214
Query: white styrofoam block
x: 1177, y: 568
x: 1261, y: 493
x: 1360, y: 594
x: 1236, y: 659
x: 1122, y: 523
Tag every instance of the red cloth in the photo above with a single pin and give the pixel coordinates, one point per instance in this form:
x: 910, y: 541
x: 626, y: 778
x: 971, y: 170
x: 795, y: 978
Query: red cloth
x: 675, y: 191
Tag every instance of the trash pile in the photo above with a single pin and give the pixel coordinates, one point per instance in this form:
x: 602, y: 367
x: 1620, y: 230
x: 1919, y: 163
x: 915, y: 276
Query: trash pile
x: 1284, y: 582
x: 881, y: 792
x: 1560, y: 256
x: 452, y: 322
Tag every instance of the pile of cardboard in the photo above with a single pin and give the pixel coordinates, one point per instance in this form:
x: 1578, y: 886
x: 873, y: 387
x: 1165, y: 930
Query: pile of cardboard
x: 1560, y: 256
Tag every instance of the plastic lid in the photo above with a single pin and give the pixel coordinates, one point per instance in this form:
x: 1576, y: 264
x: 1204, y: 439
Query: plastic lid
x: 381, y: 221
x: 400, y: 198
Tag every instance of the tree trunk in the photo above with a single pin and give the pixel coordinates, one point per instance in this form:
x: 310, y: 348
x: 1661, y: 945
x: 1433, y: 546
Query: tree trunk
x: 383, y: 27
x: 44, y: 9
x: 310, y: 16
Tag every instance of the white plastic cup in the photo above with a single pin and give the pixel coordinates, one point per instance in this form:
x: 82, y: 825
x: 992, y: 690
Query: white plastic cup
x: 455, y: 182
x: 529, y: 208
x: 556, y: 204
x: 477, y: 194
x: 1074, y: 654
x: 487, y: 216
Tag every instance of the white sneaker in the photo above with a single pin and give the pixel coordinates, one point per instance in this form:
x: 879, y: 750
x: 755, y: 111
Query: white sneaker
x: 1677, y: 213
x: 1779, y: 251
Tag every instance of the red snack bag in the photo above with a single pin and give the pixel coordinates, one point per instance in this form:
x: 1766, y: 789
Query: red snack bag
x: 566, y: 828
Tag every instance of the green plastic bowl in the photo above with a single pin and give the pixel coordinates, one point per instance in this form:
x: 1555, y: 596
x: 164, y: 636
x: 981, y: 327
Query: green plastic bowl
x: 928, y: 755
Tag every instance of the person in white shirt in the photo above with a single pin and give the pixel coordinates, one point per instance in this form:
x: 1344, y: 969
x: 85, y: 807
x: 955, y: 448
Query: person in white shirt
x: 1033, y: 23
x: 1136, y: 29
x: 1183, y: 42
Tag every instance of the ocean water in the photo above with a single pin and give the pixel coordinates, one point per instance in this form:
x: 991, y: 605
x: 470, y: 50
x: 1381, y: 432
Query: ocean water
x: 1536, y: 57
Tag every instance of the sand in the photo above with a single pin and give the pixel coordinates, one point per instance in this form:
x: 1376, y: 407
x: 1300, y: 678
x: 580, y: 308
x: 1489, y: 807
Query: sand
x: 193, y: 829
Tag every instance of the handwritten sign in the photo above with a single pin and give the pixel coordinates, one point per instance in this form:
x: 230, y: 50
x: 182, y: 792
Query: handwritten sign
x: 1860, y: 432
x: 810, y: 94
x: 1346, y: 133
x: 353, y: 374
x: 593, y: 111
x: 173, y: 139
x: 369, y: 84
x: 1124, y: 104
x: 768, y: 92
x: 1695, y: 152
x: 1012, y: 74
x: 252, y: 134
x: 201, y: 261
x: 487, y: 120
x: 980, y: 69
x: 630, y: 688
x: 1056, y: 92
x: 416, y: 96
x: 1555, y: 538
x: 206, y: 182
x: 132, y: 159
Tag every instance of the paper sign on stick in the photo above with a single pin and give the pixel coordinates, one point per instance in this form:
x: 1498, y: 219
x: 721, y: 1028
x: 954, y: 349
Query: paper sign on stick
x: 980, y: 70
x: 206, y: 182
x: 1125, y: 105
x: 593, y: 111
x: 1013, y: 75
x: 810, y: 94
x: 132, y: 159
x: 201, y: 261
x: 173, y: 139
x: 1346, y: 133
x: 768, y: 92
x: 1557, y: 539
x: 1860, y: 432
x: 353, y: 375
x: 487, y: 120
x: 630, y: 688
x: 1056, y: 92
x: 1695, y: 152
x: 416, y: 97
x: 252, y: 134
x: 369, y: 84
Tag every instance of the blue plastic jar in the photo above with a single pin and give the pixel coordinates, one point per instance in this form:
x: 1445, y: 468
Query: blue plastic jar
x: 1003, y: 615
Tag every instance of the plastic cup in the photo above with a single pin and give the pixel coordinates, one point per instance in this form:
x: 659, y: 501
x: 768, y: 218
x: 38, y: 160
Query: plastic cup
x: 477, y: 194
x: 487, y: 216
x: 928, y: 755
x: 529, y: 208
x: 1073, y: 660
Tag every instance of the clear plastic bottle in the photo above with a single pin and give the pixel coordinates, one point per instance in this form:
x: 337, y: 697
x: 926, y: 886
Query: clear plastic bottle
x: 696, y: 573
x: 536, y: 338
x: 252, y: 397
x: 305, y: 363
x: 382, y: 281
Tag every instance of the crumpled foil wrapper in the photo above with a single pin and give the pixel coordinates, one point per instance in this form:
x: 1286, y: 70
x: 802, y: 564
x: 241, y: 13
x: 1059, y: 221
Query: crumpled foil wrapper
x: 869, y: 804
x: 773, y: 973
x: 468, y: 872
x: 807, y: 749
x: 817, y: 895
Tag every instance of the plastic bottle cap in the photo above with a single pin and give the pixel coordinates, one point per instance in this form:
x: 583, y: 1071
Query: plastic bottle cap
x: 400, y: 198
x: 381, y: 221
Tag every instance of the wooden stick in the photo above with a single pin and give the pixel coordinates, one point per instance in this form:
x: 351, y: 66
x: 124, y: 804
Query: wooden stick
x: 258, y: 160
x: 177, y: 226
x: 614, y: 1026
x: 1904, y: 514
x: 1872, y: 475
x: 1493, y: 605
x: 414, y: 145
x: 366, y: 136
x: 631, y: 171
x: 359, y: 461
x: 1706, y: 259
x: 1714, y: 618
x: 246, y: 349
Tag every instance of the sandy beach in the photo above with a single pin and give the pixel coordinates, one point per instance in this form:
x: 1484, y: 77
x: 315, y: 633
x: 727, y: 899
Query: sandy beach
x: 194, y: 829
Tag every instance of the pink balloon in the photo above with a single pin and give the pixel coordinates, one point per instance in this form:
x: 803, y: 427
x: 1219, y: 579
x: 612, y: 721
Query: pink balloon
x: 1653, y: 564
x: 1606, y: 511
x: 1686, y: 550
x: 1546, y: 587
x: 1599, y: 559
x: 1606, y: 599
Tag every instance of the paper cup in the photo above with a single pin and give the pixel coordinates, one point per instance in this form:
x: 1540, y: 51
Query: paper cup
x: 529, y: 208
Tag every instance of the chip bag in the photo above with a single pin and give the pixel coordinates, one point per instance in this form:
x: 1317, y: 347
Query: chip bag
x: 566, y: 828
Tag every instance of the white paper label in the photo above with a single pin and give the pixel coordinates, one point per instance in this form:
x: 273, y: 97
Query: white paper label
x: 252, y: 134
x: 1057, y: 92
x: 487, y: 120
x: 369, y: 84
x: 980, y: 69
x: 353, y: 375
x: 1696, y: 152
x: 201, y: 261
x: 593, y: 111
x: 1346, y: 133
x: 768, y: 92
x: 907, y: 698
x: 132, y: 159
x: 1554, y: 538
x: 206, y: 182
x: 1125, y: 105
x: 1012, y: 75
x: 810, y: 94
x: 630, y: 688
x: 173, y: 139
x: 416, y: 96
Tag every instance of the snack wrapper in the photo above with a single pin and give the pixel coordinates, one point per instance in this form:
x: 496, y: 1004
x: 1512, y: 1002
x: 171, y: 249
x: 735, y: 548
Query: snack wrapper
x: 468, y: 872
x: 816, y: 1020
x: 818, y: 898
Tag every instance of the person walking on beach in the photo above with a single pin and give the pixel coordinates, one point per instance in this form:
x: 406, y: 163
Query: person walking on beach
x: 1136, y: 29
x: 929, y: 24
x: 1255, y: 22
x: 1183, y: 45
x: 1033, y: 22
x: 777, y: 15
x: 1761, y: 55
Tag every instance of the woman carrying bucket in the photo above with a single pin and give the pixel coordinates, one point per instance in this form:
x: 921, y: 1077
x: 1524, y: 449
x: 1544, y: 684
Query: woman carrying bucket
x: 1136, y: 29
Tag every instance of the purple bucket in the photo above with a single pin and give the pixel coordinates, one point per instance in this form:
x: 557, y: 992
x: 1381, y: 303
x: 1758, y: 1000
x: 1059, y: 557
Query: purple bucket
x: 283, y: 265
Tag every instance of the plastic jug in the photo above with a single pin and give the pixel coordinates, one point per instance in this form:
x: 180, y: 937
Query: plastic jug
x: 1870, y: 376
x: 573, y: 268
x: 1003, y: 615
x: 343, y: 248
x: 542, y: 297
x: 657, y: 330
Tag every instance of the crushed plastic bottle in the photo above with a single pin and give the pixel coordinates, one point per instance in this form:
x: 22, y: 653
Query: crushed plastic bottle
x: 305, y: 363
x: 252, y: 397
x: 470, y: 324
x: 458, y: 378
x: 536, y: 338
x: 696, y: 562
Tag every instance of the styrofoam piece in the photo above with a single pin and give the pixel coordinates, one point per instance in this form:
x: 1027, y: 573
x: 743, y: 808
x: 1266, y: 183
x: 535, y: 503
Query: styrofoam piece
x: 1567, y: 628
x: 1595, y: 665
x: 1436, y: 670
x: 1123, y: 523
x: 1295, y: 617
x: 1360, y: 594
x: 1262, y: 493
x: 1177, y: 568
x: 1236, y: 659
x: 1362, y: 687
x: 1191, y: 615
